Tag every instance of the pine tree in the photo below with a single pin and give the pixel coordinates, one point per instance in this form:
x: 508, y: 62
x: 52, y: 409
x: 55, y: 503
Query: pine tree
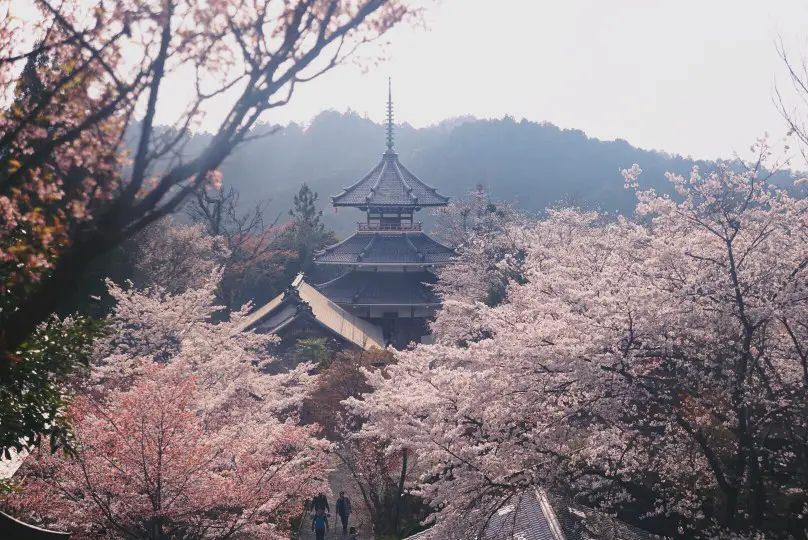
x: 306, y: 234
x: 305, y: 210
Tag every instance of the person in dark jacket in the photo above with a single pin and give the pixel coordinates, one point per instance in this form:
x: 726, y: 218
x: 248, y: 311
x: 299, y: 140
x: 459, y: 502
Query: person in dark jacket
x: 344, y: 510
x: 320, y: 504
x: 319, y: 524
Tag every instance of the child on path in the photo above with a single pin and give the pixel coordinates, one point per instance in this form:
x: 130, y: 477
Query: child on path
x: 319, y: 524
x: 353, y: 534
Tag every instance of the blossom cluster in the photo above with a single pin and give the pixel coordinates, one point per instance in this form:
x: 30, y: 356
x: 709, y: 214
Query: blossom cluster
x: 654, y: 367
x: 179, y: 430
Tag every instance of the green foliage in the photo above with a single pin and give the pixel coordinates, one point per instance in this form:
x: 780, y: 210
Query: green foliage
x: 29, y: 85
x: 305, y: 235
x: 313, y: 350
x: 531, y: 164
x: 305, y: 209
x: 7, y: 486
x: 514, y: 274
x: 33, y: 377
x: 32, y: 383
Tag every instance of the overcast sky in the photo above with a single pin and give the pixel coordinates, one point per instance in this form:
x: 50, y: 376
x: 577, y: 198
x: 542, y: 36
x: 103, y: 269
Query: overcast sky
x: 694, y: 77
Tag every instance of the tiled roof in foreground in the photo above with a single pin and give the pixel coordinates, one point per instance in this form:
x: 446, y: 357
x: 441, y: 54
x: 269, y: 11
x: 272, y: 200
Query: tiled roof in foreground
x: 390, y: 184
x: 18, y: 530
x: 388, y: 247
x: 303, y: 300
x: 381, y: 289
x: 537, y: 515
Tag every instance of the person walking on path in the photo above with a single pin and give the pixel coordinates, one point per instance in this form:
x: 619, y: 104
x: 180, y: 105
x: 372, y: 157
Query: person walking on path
x: 319, y: 524
x: 320, y: 504
x: 344, y: 510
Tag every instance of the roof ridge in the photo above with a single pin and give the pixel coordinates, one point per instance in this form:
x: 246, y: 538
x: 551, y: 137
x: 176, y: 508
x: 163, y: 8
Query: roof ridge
x: 330, y: 281
x: 441, y: 244
x: 368, y: 191
x: 412, y: 246
x: 356, y: 184
x: 434, y: 190
x: 404, y: 181
x: 332, y: 247
x: 367, y: 248
x: 549, y: 513
x: 397, y: 247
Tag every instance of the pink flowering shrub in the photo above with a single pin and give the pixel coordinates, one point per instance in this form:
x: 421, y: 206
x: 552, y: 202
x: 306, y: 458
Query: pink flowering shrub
x: 654, y: 367
x: 180, y: 433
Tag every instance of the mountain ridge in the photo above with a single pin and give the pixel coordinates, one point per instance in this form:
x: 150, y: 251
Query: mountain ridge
x: 533, y: 165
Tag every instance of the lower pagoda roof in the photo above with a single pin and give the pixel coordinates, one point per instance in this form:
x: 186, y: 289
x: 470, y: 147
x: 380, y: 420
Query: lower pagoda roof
x: 359, y: 288
x: 301, y: 300
x: 386, y: 248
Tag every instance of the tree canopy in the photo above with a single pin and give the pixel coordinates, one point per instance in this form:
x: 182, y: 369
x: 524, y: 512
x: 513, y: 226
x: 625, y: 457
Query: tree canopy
x: 654, y: 367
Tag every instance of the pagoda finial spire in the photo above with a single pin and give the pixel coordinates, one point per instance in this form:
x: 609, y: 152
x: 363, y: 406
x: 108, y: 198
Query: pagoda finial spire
x: 389, y: 114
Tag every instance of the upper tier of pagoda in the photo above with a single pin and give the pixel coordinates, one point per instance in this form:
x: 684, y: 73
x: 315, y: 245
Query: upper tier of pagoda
x: 389, y: 184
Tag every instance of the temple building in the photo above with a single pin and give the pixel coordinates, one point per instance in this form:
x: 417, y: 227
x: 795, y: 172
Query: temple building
x: 386, y: 265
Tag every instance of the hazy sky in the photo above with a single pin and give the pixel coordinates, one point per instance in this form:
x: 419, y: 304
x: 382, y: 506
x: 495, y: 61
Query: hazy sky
x: 694, y: 77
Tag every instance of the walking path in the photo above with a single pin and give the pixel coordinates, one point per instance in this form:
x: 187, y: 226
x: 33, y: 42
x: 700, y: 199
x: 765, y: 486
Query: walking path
x: 340, y: 480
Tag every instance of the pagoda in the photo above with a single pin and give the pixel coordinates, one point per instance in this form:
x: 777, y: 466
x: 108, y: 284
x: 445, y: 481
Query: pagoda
x: 387, y: 266
x: 389, y: 261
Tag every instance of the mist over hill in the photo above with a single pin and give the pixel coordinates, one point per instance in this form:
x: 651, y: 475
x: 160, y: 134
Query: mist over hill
x: 532, y: 165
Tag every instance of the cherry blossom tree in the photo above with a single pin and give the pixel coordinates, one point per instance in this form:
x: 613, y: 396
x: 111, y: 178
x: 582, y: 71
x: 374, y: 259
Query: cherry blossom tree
x: 176, y: 257
x: 93, y: 75
x: 487, y: 236
x: 376, y: 467
x: 380, y: 470
x: 148, y: 465
x: 256, y: 261
x: 655, y: 368
x: 471, y: 215
x: 180, y: 434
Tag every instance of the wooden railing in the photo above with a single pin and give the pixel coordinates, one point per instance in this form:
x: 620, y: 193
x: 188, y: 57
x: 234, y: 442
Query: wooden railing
x: 417, y: 226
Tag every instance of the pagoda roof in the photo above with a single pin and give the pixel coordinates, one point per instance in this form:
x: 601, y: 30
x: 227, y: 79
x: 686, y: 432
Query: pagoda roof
x: 302, y: 300
x: 359, y: 288
x: 390, y: 184
x: 23, y: 531
x: 386, y: 248
x: 540, y: 515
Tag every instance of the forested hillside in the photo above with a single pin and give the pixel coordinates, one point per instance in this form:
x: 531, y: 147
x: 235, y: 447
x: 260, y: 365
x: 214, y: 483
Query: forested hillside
x: 530, y: 164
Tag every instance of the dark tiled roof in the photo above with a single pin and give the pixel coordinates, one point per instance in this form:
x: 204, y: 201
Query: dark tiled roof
x: 373, y: 248
x: 389, y: 184
x: 303, y: 300
x: 381, y: 288
x: 522, y: 517
x: 538, y: 516
x: 583, y: 523
x: 23, y: 531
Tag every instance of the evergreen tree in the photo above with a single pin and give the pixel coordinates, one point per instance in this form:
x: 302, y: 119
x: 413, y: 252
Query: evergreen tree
x: 306, y: 233
x: 305, y: 210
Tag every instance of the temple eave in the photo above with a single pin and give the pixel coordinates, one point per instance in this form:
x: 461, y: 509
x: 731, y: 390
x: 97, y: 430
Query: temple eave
x: 386, y: 264
x: 386, y: 206
x: 433, y: 305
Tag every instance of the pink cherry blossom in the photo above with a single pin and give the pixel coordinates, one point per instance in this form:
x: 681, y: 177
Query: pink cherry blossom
x: 181, y: 432
x: 655, y: 366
